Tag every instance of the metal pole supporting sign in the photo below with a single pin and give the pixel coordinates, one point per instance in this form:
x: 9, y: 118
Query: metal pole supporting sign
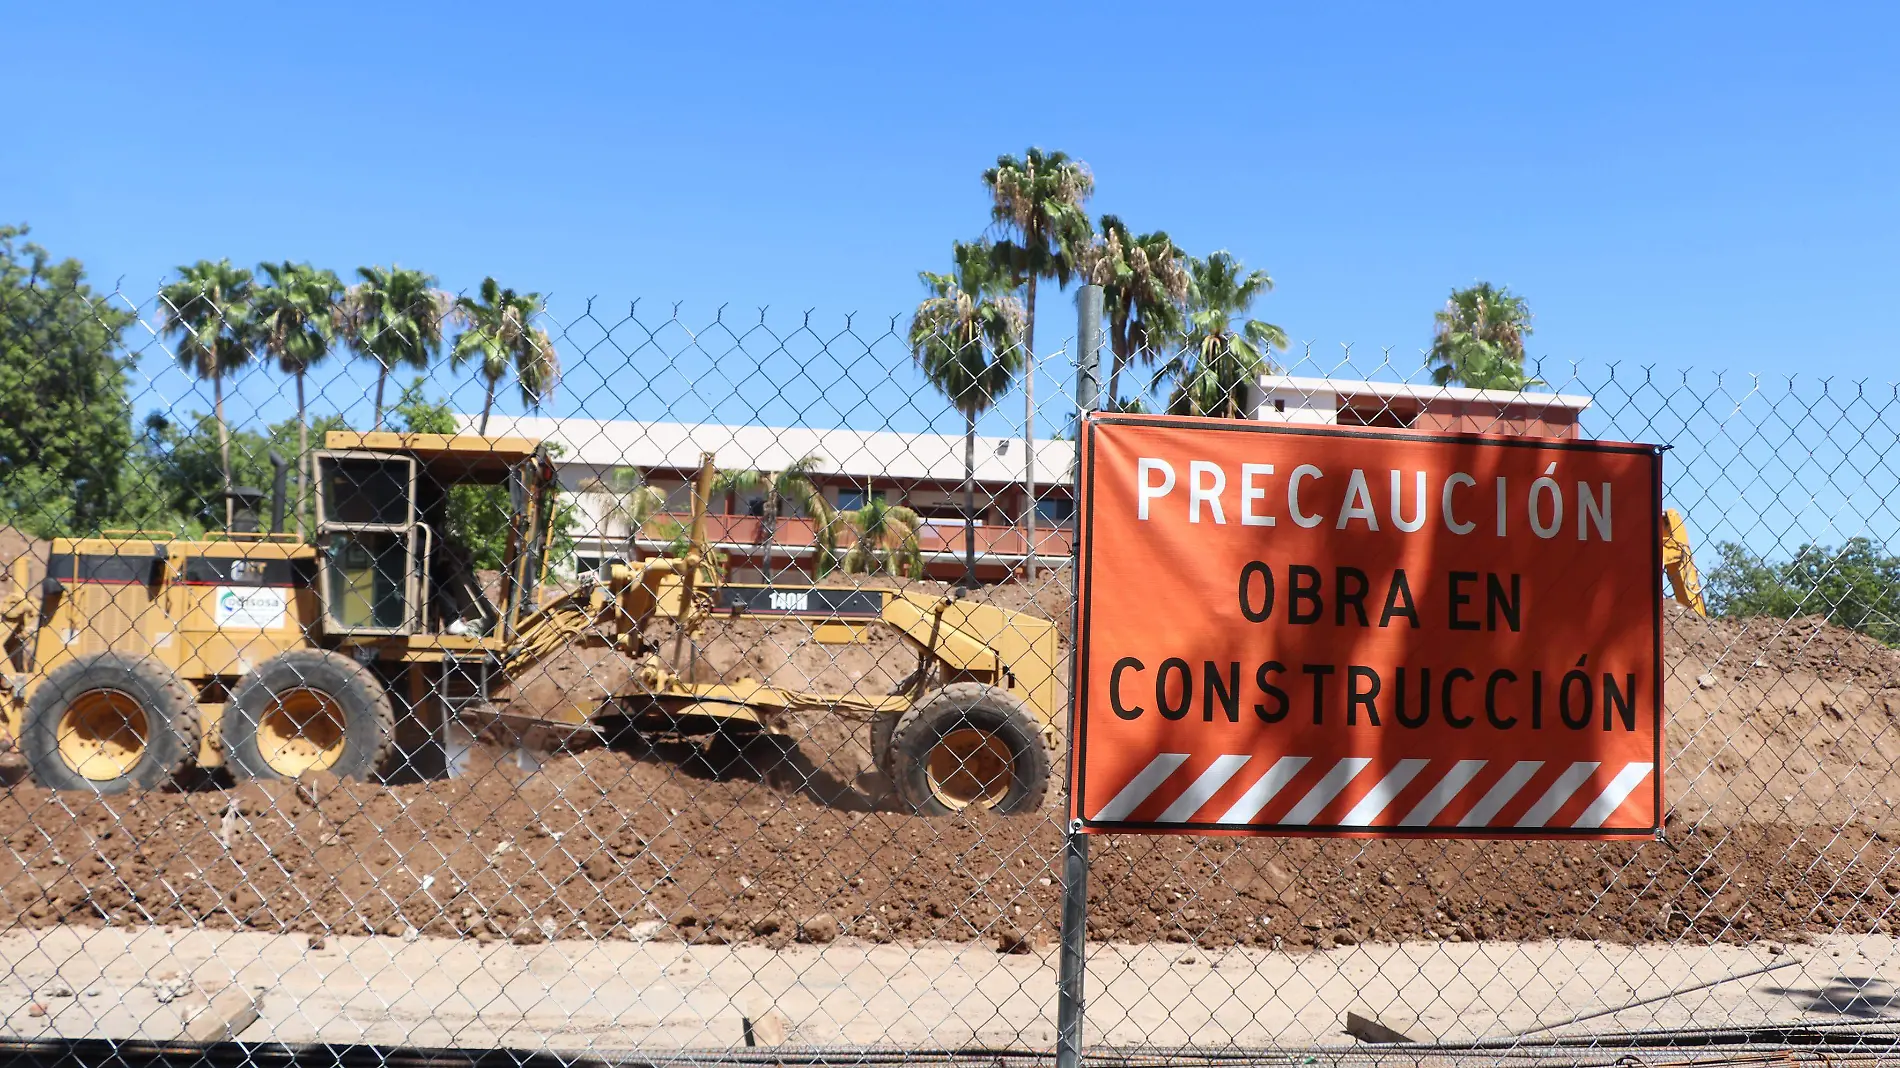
x: 1075, y: 845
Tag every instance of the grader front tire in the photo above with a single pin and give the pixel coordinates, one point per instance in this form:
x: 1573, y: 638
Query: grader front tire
x: 969, y: 746
x: 110, y: 723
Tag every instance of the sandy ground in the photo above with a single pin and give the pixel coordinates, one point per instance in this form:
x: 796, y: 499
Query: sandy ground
x: 666, y: 995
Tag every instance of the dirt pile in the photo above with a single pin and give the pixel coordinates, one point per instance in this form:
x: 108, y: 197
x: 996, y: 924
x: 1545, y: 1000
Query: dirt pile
x: 1778, y: 721
x: 608, y: 844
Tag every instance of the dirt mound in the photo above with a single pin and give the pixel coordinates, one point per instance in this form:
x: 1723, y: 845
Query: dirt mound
x: 607, y: 844
x: 1780, y: 721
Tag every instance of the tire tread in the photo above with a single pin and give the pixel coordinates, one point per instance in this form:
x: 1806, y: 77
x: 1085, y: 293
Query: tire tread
x: 957, y: 699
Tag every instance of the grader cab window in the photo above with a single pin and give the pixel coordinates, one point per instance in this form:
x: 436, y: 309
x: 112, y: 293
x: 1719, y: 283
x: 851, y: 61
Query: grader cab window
x: 367, y: 533
x: 367, y: 584
x: 374, y: 491
x: 409, y: 525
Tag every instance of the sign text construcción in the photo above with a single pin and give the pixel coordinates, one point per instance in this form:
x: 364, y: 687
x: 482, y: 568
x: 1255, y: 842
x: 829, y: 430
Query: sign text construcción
x: 1289, y: 629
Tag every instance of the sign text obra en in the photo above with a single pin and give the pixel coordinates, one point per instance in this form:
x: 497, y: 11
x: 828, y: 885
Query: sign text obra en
x: 1292, y: 629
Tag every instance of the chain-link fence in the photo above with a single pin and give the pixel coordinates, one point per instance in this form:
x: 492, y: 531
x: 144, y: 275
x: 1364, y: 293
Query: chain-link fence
x: 469, y: 674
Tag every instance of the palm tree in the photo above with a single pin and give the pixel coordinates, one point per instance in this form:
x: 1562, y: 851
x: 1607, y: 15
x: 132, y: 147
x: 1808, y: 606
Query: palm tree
x: 793, y: 485
x: 886, y: 540
x: 1478, y: 339
x: 209, y: 311
x: 501, y: 332
x: 394, y: 316
x: 1221, y: 358
x: 967, y: 338
x: 296, y: 322
x: 1145, y: 283
x: 630, y: 500
x: 1039, y: 200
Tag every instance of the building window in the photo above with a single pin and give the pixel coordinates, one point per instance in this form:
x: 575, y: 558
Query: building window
x: 678, y: 498
x: 850, y: 500
x: 1375, y: 414
x: 1055, y: 512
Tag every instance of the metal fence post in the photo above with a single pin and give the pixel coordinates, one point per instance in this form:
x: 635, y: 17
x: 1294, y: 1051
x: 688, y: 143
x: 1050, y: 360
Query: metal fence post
x: 1071, y: 962
x: 1088, y: 359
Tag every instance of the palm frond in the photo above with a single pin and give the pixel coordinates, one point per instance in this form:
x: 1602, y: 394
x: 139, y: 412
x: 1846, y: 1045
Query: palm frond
x: 1478, y: 339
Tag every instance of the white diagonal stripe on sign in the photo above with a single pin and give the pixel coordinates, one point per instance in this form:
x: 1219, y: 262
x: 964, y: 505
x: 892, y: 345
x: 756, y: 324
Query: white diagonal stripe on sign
x: 1145, y: 782
x: 1326, y: 789
x: 1568, y: 783
x: 1265, y: 790
x: 1209, y: 783
x: 1372, y: 804
x: 1501, y: 794
x: 1450, y: 786
x: 1612, y: 796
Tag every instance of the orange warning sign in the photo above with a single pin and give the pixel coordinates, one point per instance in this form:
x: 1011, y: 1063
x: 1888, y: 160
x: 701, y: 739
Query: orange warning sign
x: 1288, y: 629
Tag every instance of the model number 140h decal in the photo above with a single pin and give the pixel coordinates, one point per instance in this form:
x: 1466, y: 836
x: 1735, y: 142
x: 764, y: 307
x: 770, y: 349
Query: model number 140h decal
x: 831, y: 602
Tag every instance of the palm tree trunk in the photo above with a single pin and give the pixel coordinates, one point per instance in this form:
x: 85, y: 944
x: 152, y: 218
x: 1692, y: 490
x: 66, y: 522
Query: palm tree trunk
x: 969, y: 499
x: 1029, y: 435
x: 769, y: 527
x: 224, y: 445
x: 382, y: 375
x: 303, y: 452
x: 488, y: 403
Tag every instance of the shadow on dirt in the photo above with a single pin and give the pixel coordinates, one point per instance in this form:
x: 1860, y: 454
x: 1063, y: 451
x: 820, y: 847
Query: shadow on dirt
x: 774, y: 761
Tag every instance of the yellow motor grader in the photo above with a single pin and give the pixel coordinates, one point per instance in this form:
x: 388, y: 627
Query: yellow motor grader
x: 139, y: 657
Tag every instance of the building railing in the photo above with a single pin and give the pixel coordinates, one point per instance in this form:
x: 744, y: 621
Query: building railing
x: 795, y: 534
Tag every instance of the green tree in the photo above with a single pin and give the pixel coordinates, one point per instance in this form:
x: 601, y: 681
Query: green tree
x: 967, y: 338
x: 1855, y: 586
x: 296, y: 322
x: 177, y: 475
x: 885, y: 540
x: 793, y: 486
x: 394, y: 317
x: 679, y: 540
x: 1225, y: 352
x: 478, y: 516
x: 1039, y: 201
x: 501, y: 333
x: 1478, y: 339
x: 209, y: 310
x: 1145, y: 285
x: 65, y: 420
x: 629, y: 500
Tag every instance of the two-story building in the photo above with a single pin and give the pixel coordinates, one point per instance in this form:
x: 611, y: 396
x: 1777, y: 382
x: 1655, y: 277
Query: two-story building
x: 921, y: 471
x: 600, y: 460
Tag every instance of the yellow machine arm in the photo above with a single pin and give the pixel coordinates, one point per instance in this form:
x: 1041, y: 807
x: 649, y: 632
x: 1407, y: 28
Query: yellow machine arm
x: 1679, y: 563
x: 613, y: 612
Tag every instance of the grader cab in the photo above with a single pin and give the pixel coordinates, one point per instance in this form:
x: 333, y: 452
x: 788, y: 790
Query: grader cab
x: 367, y: 648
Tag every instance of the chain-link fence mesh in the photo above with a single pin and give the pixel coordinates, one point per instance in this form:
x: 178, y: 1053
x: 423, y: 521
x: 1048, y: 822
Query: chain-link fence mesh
x: 607, y: 679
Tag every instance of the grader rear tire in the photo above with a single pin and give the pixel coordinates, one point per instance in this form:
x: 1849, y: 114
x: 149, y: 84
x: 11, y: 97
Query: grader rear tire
x: 108, y: 723
x: 883, y: 727
x: 969, y: 746
x: 305, y: 711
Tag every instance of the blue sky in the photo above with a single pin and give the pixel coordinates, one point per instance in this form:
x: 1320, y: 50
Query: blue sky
x: 1703, y: 186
